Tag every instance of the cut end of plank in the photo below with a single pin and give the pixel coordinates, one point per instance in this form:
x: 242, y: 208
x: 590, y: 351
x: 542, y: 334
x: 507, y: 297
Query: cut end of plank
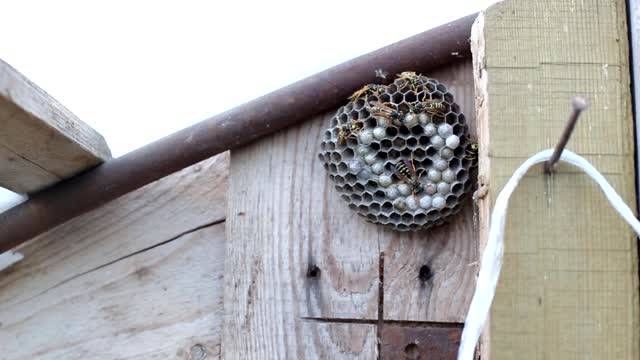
x: 41, y: 141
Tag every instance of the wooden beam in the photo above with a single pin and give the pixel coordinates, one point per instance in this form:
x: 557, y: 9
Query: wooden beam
x: 138, y: 278
x: 450, y: 251
x: 634, y: 33
x: 284, y: 217
x: 569, y: 284
x: 41, y: 142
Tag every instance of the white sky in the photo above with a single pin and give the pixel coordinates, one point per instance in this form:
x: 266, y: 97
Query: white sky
x: 138, y: 71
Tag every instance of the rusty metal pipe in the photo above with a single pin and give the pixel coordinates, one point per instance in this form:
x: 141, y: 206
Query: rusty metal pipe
x: 231, y: 129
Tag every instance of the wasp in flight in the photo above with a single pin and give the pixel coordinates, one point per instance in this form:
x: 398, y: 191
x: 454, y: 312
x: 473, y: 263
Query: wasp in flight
x: 406, y: 171
x: 349, y: 130
x: 370, y: 89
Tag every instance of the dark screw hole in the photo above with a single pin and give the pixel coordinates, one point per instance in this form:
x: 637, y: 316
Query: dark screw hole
x: 313, y: 271
x: 411, y: 351
x: 425, y: 273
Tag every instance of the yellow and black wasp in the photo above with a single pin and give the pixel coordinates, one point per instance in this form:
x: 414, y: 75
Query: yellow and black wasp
x: 387, y: 112
x: 367, y: 90
x: 349, y: 130
x: 427, y: 106
x: 411, y: 78
x: 471, y: 152
x: 406, y: 171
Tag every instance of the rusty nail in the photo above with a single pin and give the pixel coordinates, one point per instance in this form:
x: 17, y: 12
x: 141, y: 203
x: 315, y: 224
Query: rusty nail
x: 578, y: 104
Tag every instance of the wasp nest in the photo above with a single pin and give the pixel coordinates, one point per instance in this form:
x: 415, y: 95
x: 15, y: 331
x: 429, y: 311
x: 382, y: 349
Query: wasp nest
x: 400, y: 154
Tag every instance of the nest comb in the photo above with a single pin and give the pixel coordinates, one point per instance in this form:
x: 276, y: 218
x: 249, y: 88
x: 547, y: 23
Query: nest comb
x: 413, y: 121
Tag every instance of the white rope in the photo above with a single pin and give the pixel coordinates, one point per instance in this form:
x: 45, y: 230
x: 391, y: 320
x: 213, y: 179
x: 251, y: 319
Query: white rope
x: 492, y: 256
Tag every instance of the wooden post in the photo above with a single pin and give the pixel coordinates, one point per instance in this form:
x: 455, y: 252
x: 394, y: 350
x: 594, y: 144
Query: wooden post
x: 138, y: 278
x: 305, y: 277
x: 569, y: 284
x: 634, y: 33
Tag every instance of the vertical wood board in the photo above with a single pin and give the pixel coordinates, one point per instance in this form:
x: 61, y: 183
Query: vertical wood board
x: 284, y: 217
x: 569, y: 284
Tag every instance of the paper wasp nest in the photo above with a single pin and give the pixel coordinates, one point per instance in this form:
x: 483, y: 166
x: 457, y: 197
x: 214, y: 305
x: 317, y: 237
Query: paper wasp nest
x: 413, y: 122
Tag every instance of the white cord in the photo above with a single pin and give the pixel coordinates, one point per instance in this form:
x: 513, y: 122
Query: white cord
x: 492, y: 256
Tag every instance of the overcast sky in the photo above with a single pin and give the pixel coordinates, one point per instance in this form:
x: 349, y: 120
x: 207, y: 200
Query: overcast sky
x: 138, y: 71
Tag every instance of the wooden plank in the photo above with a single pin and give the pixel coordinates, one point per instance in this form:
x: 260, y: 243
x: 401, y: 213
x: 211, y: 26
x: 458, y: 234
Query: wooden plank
x: 284, y: 217
x: 330, y: 341
x: 138, y: 278
x: 569, y: 285
x: 281, y: 221
x: 41, y: 142
x: 420, y: 343
x: 191, y: 198
x: 165, y: 303
x: 449, y: 252
x: 634, y: 33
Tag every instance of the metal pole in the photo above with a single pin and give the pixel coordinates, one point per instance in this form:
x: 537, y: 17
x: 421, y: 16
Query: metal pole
x: 236, y: 127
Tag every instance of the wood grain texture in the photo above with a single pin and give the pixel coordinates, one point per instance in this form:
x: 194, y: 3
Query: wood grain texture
x: 284, y: 217
x: 281, y: 220
x: 165, y: 303
x: 41, y: 142
x: 138, y: 278
x: 449, y: 251
x: 162, y: 210
x: 569, y: 284
x: 333, y: 341
x: 634, y: 34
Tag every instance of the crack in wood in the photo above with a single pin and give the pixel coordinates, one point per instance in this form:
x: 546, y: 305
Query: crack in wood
x: 138, y: 252
x: 415, y: 324
x: 380, y: 303
x: 29, y: 161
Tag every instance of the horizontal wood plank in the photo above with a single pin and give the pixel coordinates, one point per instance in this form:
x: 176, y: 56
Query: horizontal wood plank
x: 138, y: 278
x: 41, y: 142
x: 165, y: 303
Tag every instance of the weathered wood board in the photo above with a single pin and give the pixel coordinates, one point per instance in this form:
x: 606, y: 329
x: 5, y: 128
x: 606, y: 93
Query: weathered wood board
x: 41, y: 142
x: 139, y: 278
x: 450, y: 252
x: 284, y: 217
x: 569, y: 284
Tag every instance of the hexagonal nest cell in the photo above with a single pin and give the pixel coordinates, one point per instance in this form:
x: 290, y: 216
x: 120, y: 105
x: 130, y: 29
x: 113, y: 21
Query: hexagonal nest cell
x: 400, y: 154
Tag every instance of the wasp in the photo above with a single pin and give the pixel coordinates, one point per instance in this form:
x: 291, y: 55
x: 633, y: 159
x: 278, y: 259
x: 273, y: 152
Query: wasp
x: 406, y: 171
x: 427, y: 106
x: 349, y: 130
x: 471, y: 152
x: 370, y: 89
x: 387, y: 112
x: 411, y: 78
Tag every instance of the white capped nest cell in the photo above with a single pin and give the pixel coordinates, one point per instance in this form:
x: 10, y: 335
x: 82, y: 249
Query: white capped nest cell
x: 400, y: 155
